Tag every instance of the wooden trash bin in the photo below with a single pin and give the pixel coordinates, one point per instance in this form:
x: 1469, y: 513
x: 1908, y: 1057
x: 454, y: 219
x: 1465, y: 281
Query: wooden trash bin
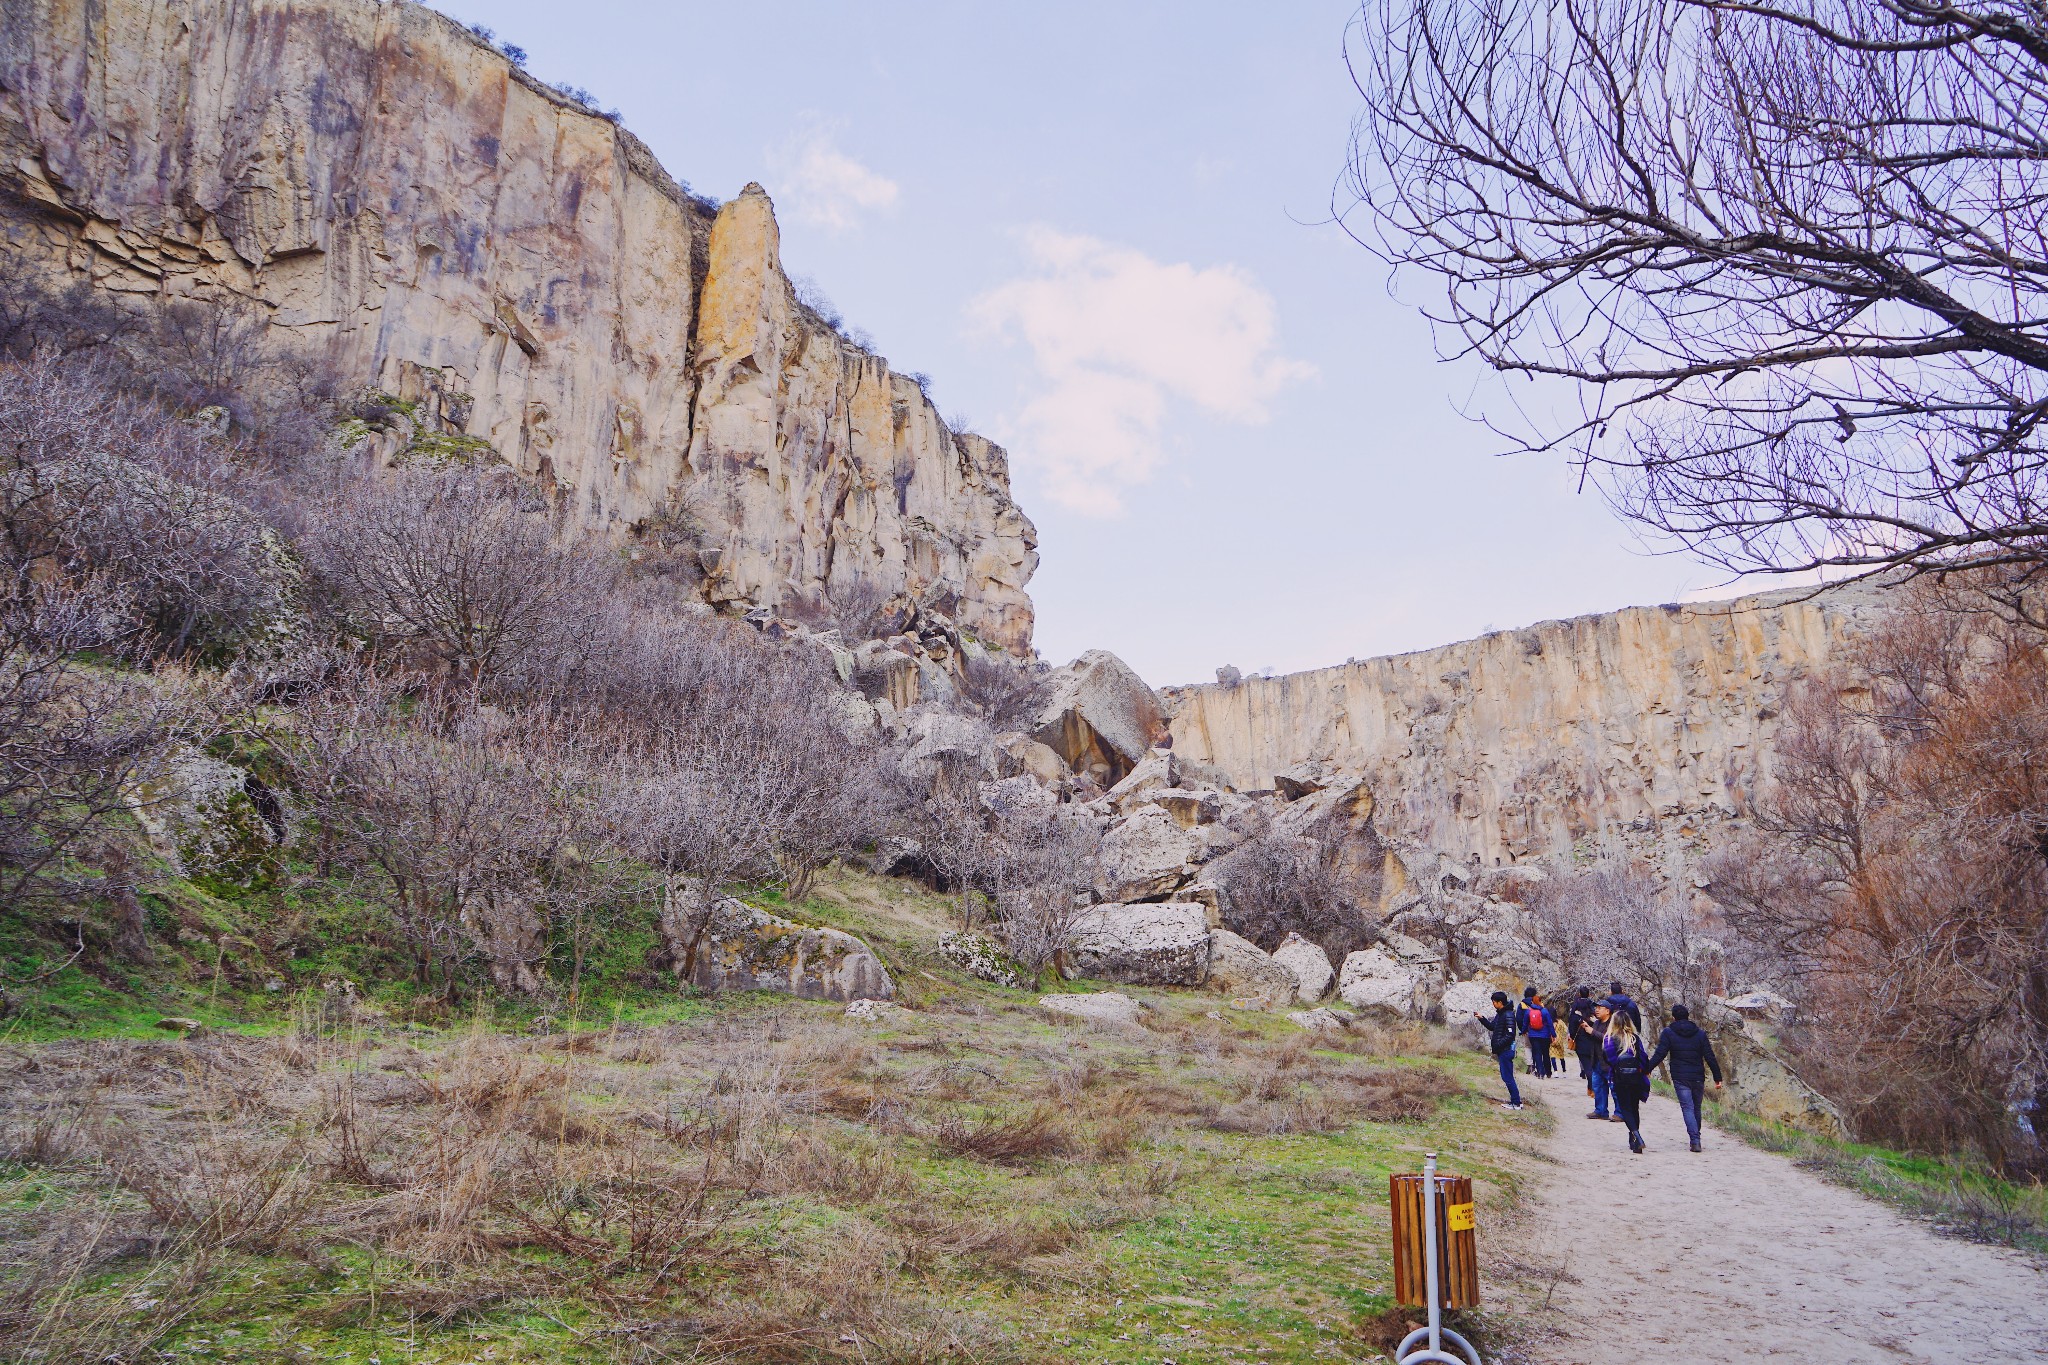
x: 1457, y: 1243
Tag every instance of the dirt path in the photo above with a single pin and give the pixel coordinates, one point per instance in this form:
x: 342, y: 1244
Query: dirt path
x: 1737, y: 1255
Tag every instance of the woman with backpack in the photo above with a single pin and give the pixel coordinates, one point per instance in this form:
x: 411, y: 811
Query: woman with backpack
x: 1628, y: 1068
x: 1541, y: 1026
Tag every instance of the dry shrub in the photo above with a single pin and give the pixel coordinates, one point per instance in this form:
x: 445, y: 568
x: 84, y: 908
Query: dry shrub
x: 840, y: 1302
x: 1042, y: 1131
x: 229, y: 1189
x: 932, y: 1234
x: 1307, y: 1094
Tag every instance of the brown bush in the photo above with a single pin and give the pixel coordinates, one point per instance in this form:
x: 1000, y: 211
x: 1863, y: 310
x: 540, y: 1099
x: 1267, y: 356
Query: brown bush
x: 1041, y: 1131
x: 1899, y: 882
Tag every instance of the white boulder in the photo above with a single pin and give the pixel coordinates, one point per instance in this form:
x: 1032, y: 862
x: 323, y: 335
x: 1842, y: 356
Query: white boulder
x: 1142, y: 945
x: 1240, y: 968
x: 1147, y: 854
x: 1375, y: 980
x: 1308, y: 964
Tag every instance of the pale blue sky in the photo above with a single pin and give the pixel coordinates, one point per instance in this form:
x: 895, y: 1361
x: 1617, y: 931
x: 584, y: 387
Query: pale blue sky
x: 1101, y: 229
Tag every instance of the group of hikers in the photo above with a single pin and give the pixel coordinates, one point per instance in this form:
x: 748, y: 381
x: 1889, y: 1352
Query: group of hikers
x: 1607, y: 1036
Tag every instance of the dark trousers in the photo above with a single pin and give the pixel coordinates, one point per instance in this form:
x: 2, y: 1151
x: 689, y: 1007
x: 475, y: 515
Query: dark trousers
x: 1629, y: 1107
x: 1539, y: 1055
x: 1589, y: 1061
x: 1599, y: 1081
x: 1507, y: 1074
x: 1689, y: 1105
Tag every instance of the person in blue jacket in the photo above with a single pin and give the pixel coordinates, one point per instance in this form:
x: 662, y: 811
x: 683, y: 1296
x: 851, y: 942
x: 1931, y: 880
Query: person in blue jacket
x: 1618, y: 1000
x: 1692, y: 1056
x: 1500, y: 1028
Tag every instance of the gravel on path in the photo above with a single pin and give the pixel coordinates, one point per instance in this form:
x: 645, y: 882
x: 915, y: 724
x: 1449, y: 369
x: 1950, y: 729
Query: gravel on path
x: 1736, y: 1255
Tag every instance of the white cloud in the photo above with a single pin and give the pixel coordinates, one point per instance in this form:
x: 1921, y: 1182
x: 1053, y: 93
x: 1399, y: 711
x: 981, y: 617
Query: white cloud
x: 823, y: 185
x: 1115, y: 337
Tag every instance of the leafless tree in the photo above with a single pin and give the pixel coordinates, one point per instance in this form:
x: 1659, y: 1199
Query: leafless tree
x: 737, y: 771
x: 74, y: 737
x: 1277, y: 883
x: 1010, y: 691
x: 1788, y: 259
x: 1899, y: 872
x: 95, y: 483
x: 458, y: 569
x: 477, y: 828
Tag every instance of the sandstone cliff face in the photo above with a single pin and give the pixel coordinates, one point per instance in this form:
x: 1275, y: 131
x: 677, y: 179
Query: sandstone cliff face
x: 406, y: 207
x: 1638, y: 730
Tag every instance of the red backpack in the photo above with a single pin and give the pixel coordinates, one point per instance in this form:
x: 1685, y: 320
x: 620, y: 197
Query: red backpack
x: 1539, y: 1018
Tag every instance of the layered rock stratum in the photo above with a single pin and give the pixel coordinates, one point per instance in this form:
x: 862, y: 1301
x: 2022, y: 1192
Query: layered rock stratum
x: 411, y: 210
x: 1639, y: 731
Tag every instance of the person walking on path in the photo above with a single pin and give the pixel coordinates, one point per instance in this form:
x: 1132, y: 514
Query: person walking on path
x: 1692, y: 1056
x: 1592, y: 1038
x: 1576, y: 1017
x: 1541, y: 1026
x: 1500, y: 1027
x: 1618, y: 1000
x: 1628, y: 1073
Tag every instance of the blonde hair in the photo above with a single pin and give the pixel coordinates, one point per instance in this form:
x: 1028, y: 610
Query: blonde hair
x: 1622, y: 1030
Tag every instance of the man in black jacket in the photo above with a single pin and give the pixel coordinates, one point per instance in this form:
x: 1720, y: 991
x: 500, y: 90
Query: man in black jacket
x: 1620, y: 1002
x: 1500, y: 1026
x: 1577, y: 1016
x: 1692, y: 1056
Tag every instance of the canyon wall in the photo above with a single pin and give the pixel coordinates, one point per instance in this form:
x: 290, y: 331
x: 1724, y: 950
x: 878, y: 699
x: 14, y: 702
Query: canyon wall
x: 1635, y: 731
x: 405, y: 207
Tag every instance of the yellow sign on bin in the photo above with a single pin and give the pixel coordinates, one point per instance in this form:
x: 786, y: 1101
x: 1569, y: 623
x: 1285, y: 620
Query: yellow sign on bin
x: 1459, y: 1216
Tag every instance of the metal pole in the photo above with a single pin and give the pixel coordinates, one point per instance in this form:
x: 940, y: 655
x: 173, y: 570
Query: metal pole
x: 1436, y: 1342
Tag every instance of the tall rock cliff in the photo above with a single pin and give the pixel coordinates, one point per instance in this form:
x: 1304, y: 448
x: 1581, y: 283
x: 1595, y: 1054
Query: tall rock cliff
x: 1635, y: 731
x: 407, y: 207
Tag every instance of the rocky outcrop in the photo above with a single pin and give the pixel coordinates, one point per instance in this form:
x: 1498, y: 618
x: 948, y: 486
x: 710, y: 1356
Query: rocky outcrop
x: 1637, y: 731
x: 404, y: 207
x: 745, y: 949
x: 1760, y: 1081
x: 1100, y: 717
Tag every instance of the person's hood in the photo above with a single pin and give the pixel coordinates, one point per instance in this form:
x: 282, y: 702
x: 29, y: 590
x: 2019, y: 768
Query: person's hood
x: 1685, y: 1028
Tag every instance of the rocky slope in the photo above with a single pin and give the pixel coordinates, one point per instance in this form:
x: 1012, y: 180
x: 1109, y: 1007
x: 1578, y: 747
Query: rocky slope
x: 404, y: 205
x: 1635, y: 730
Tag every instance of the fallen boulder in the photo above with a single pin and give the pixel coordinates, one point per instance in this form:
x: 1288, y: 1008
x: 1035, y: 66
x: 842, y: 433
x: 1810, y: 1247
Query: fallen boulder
x: 745, y: 949
x: 875, y: 1011
x: 1100, y: 717
x: 1377, y: 982
x: 1763, y: 1083
x: 1146, y: 855
x: 1142, y: 945
x: 1320, y: 1020
x: 1238, y: 967
x: 1308, y: 964
x: 1102, y: 1007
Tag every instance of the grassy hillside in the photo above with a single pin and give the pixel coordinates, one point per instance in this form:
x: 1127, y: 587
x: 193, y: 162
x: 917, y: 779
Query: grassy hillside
x: 335, y: 1175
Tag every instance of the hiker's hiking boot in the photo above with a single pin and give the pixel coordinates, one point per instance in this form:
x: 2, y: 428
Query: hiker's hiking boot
x: 1695, y: 1144
x: 1596, y: 1114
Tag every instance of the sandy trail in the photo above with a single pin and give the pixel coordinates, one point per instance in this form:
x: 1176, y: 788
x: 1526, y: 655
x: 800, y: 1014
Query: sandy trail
x: 1737, y: 1255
